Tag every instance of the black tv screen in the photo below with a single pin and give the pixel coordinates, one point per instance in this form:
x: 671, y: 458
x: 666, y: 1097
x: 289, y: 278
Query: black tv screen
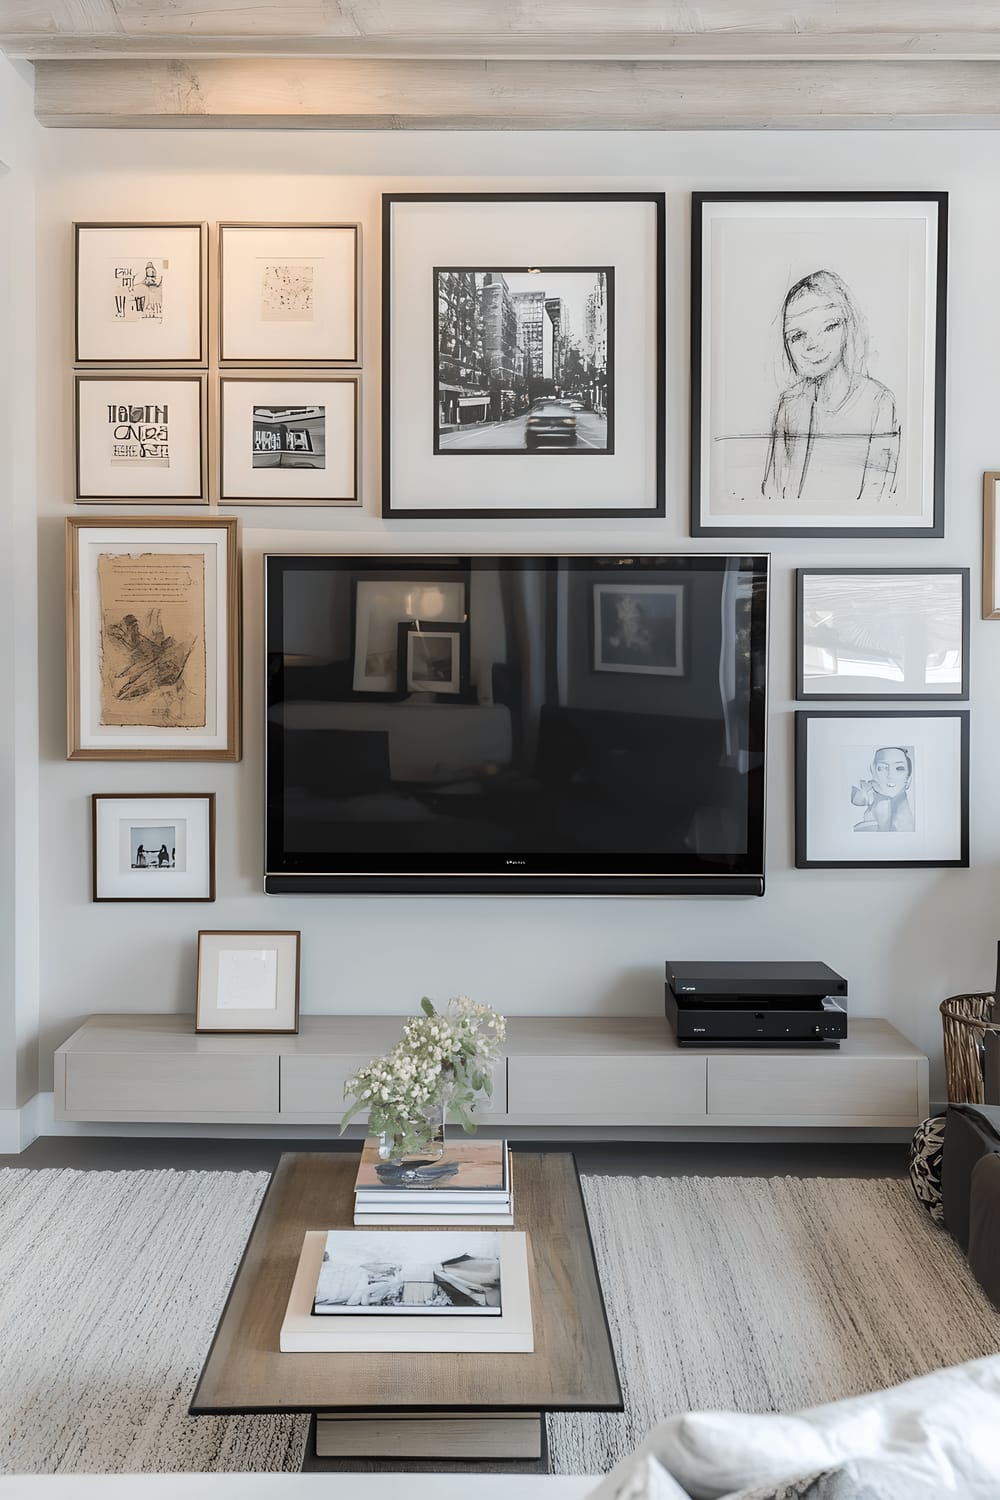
x: 560, y: 725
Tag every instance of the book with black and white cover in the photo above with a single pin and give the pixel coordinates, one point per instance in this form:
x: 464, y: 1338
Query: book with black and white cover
x: 435, y: 1274
x: 466, y: 1168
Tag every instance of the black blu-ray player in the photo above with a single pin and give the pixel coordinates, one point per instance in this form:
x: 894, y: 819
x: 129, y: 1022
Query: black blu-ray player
x: 756, y: 1004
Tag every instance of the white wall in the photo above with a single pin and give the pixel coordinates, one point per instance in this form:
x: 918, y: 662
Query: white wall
x: 905, y: 939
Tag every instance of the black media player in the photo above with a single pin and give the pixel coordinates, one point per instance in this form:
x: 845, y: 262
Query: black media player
x: 756, y: 1004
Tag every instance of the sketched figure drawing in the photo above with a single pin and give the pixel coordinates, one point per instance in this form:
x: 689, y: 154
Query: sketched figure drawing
x: 886, y: 796
x: 154, y: 661
x: 835, y: 433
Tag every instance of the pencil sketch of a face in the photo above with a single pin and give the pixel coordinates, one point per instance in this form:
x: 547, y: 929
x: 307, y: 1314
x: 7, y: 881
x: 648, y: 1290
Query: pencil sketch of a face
x: 835, y: 432
x: 886, y: 792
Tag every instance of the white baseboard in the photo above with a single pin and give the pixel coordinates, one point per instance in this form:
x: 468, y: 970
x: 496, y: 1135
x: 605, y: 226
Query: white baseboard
x: 19, y: 1127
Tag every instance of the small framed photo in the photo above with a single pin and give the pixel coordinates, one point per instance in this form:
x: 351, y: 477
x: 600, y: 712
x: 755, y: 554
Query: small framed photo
x: 140, y: 437
x: 818, y: 362
x: 153, y: 848
x: 883, y: 787
x: 289, y: 294
x: 991, y: 546
x: 152, y: 639
x: 639, y: 627
x: 140, y: 294
x: 248, y: 981
x: 381, y: 605
x: 433, y: 658
x: 287, y: 440
x: 523, y: 354
x: 882, y: 633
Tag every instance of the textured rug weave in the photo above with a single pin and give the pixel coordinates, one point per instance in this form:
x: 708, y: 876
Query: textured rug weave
x: 721, y: 1292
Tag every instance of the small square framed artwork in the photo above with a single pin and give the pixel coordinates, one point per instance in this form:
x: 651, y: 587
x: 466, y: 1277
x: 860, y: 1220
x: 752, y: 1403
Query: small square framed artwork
x: 140, y: 294
x: 381, y: 606
x: 886, y: 787
x: 639, y: 628
x: 140, y: 437
x: 288, y: 440
x: 434, y: 657
x: 882, y: 633
x: 248, y: 981
x: 289, y: 294
x: 153, y: 848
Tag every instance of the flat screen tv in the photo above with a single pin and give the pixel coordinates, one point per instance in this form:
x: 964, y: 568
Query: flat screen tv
x: 526, y: 725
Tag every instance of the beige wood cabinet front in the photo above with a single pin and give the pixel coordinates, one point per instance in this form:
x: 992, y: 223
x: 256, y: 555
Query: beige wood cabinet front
x: 629, y: 1089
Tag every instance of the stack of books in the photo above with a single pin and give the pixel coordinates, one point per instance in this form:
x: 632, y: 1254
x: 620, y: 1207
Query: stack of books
x: 470, y: 1184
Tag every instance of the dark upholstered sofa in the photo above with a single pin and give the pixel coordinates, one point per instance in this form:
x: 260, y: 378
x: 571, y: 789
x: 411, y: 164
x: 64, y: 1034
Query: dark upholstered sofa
x: 970, y: 1188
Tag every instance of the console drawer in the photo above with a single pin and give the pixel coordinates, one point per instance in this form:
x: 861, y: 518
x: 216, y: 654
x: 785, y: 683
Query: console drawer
x: 313, y: 1086
x: 800, y: 1088
x: 137, y: 1086
x: 632, y: 1089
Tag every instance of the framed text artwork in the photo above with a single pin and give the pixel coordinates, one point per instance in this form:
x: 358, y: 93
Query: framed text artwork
x: 287, y: 440
x: 153, y: 848
x: 289, y: 294
x: 523, y: 354
x: 140, y: 437
x: 153, y: 639
x: 883, y: 787
x: 140, y: 294
x: 818, y: 361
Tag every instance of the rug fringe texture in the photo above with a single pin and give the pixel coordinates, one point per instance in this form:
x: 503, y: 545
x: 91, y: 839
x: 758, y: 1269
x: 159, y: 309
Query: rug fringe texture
x: 745, y: 1293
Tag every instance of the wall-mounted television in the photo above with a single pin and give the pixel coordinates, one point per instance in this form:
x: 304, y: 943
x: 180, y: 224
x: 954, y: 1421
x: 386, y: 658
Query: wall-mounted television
x: 510, y: 724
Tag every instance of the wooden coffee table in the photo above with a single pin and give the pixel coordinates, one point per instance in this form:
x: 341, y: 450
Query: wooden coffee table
x: 451, y: 1406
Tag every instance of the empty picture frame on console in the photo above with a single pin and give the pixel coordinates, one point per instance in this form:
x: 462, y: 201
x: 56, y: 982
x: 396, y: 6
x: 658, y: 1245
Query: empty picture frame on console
x: 818, y: 360
x: 523, y: 354
x: 140, y: 294
x: 886, y: 787
x: 248, y: 982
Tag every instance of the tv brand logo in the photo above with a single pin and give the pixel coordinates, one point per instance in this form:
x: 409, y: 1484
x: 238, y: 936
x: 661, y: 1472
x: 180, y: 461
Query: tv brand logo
x: 519, y: 862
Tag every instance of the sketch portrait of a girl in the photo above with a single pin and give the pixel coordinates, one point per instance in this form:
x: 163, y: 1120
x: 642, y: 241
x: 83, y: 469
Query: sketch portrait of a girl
x: 835, y: 432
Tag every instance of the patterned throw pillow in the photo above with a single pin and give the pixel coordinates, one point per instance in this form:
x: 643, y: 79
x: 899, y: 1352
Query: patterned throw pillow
x: 925, y: 1165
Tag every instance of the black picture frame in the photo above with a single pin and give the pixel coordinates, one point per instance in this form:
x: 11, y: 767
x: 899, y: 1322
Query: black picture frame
x: 802, y: 574
x: 939, y: 280
x: 456, y: 686
x: 805, y: 717
x: 653, y: 504
x: 450, y: 576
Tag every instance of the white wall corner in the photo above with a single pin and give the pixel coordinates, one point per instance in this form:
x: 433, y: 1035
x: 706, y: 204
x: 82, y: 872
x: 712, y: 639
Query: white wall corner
x: 19, y: 1127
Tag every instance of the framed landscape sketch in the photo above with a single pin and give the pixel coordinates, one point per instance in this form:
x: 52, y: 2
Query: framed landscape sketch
x: 140, y: 294
x: 140, y: 437
x: 882, y: 787
x: 381, y: 606
x: 153, y: 639
x: 153, y: 848
x: 248, y: 982
x: 818, y: 359
x: 639, y: 627
x: 287, y: 440
x: 289, y: 294
x: 523, y: 354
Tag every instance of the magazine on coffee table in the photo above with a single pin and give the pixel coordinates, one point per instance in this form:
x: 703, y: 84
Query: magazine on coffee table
x: 467, y: 1167
x: 399, y: 1273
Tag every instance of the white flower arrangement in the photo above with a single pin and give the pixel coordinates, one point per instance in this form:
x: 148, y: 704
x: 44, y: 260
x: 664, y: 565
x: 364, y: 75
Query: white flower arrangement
x: 442, y: 1063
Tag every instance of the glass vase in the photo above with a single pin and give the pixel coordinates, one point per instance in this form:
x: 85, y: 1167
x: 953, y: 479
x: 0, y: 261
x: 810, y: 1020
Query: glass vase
x: 397, y: 1149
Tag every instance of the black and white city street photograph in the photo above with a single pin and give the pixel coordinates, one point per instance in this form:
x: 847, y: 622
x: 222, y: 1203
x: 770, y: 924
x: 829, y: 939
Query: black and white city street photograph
x: 289, y: 437
x: 525, y: 360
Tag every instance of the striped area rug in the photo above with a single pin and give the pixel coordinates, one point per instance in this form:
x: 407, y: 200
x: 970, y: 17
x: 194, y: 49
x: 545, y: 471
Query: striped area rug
x: 721, y: 1292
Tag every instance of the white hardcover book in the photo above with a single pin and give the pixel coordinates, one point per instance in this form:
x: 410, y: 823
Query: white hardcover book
x: 303, y: 1332
x: 427, y: 1217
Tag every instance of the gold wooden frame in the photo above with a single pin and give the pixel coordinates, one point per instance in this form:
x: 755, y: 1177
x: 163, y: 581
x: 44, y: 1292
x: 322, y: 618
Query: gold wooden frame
x: 228, y: 618
x: 991, y: 563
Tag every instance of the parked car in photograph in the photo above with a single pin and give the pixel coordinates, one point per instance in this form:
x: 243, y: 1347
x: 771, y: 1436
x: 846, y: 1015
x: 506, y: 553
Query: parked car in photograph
x: 550, y: 424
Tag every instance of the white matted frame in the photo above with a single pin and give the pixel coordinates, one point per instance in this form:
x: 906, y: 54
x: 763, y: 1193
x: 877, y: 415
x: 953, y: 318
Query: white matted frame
x: 288, y: 440
x: 140, y: 294
x: 141, y: 438
x: 248, y: 982
x: 152, y: 638
x: 818, y: 358
x: 882, y: 787
x: 612, y: 242
x: 639, y: 628
x: 154, y: 847
x: 289, y: 294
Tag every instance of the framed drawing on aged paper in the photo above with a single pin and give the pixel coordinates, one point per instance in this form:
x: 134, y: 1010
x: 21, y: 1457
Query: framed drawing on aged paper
x: 153, y: 639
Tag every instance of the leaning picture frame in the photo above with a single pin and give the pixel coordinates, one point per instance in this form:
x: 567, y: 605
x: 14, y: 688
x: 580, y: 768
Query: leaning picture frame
x: 523, y: 355
x: 152, y: 638
x: 881, y: 787
x: 289, y: 294
x: 433, y: 658
x: 140, y: 294
x: 155, y: 847
x: 383, y: 602
x: 248, y: 982
x: 818, y: 327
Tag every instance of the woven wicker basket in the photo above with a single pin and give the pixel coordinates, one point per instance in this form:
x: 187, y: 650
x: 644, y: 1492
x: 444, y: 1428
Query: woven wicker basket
x: 967, y: 1020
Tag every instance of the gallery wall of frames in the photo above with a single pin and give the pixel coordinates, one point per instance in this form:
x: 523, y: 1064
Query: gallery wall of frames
x: 521, y: 375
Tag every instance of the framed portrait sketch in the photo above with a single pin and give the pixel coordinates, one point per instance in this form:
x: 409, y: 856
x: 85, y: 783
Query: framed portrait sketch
x: 153, y: 848
x: 248, y: 981
x: 882, y: 787
x: 140, y: 437
x: 381, y: 606
x: 882, y: 633
x: 523, y: 354
x: 818, y: 360
x: 287, y: 440
x: 140, y: 294
x: 639, y: 627
x: 991, y: 546
x: 289, y: 294
x: 433, y: 658
x: 153, y: 639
